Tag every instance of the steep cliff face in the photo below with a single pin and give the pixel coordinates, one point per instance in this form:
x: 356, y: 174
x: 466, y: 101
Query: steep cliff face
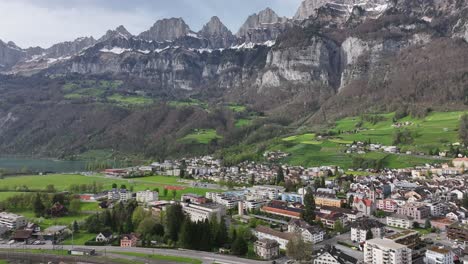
x: 314, y: 64
x: 166, y: 30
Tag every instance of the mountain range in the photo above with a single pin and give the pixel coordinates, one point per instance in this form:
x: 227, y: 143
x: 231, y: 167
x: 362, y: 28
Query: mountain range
x: 334, y: 58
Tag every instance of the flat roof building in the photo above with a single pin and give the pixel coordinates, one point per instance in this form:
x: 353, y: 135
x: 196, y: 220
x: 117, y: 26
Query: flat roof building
x: 385, y: 251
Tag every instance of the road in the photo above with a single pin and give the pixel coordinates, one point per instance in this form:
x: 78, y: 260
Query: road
x: 205, y: 257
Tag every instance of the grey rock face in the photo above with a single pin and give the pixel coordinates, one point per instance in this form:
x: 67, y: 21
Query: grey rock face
x: 10, y: 54
x: 261, y: 27
x: 218, y: 35
x: 166, y: 30
x: 309, y: 8
x: 69, y: 48
x: 120, y: 31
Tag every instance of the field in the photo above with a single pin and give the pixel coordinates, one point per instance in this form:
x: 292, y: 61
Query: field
x: 47, y: 222
x: 88, y: 88
x: 161, y: 257
x: 434, y: 131
x: 130, y: 100
x: 188, y: 102
x: 62, y: 182
x: 237, y: 108
x: 202, y: 136
x: 437, y: 130
x: 79, y: 238
x: 243, y: 122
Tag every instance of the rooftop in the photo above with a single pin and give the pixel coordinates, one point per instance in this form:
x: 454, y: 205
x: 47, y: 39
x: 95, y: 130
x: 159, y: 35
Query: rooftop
x: 441, y: 250
x: 272, y: 232
x: 402, y: 234
x: 385, y: 243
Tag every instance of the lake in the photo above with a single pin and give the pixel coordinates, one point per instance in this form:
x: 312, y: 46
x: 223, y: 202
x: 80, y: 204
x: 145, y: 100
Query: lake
x: 41, y: 165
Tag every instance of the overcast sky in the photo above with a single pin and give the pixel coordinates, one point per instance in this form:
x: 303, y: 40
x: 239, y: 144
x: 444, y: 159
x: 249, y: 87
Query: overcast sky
x: 45, y: 22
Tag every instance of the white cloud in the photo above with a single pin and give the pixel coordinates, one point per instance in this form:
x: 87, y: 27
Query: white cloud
x: 29, y: 25
x: 45, y: 22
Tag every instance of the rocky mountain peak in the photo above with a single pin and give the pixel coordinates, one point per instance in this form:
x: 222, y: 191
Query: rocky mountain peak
x: 217, y: 34
x: 214, y: 27
x: 166, y: 30
x: 119, y: 32
x: 261, y: 27
x: 310, y: 8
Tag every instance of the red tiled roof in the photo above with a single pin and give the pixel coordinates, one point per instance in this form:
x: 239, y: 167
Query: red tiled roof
x: 291, y: 213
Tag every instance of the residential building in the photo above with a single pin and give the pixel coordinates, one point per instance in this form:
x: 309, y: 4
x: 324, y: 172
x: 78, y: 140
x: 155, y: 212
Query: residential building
x: 417, y: 211
x: 384, y: 251
x: 270, y: 192
x: 329, y: 220
x: 409, y: 238
x: 437, y: 209
x: 350, y: 214
x: 292, y: 198
x: 12, y: 221
x: 254, y: 204
x: 266, y: 248
x: 104, y: 237
x: 400, y: 221
x: 130, y: 240
x: 439, y: 255
x: 331, y: 255
x: 201, y: 212
x: 147, y: 196
x: 22, y: 235
x: 387, y: 205
x: 283, y: 238
x: 360, y: 228
x: 322, y: 199
x: 457, y: 232
x: 313, y: 234
x: 119, y: 195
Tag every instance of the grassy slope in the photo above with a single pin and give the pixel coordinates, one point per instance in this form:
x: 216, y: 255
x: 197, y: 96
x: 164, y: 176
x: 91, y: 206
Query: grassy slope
x: 434, y: 131
x: 202, y: 136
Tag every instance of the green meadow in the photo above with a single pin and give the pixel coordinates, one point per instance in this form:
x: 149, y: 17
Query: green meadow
x: 130, y: 100
x: 437, y: 130
x: 201, y: 136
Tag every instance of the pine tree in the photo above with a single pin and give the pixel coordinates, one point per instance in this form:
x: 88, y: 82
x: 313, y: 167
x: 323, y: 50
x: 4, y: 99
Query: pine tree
x: 308, y: 214
x: 174, y: 220
x: 240, y: 246
x: 39, y: 208
x: 222, y: 234
x: 427, y: 224
x: 76, y: 227
x: 350, y: 201
x: 369, y: 234
x: 186, y: 234
x: 280, y: 175
x: 463, y: 130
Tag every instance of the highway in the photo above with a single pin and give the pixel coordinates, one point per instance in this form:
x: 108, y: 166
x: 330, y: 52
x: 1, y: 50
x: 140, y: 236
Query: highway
x: 205, y: 257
